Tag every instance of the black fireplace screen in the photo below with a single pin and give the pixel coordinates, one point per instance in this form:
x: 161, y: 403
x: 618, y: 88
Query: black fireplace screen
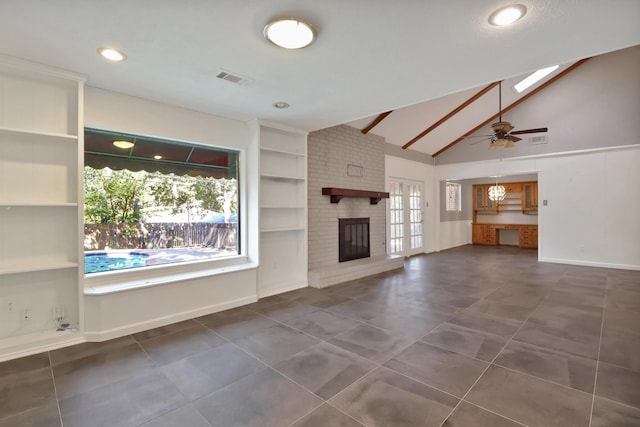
x: 354, y: 238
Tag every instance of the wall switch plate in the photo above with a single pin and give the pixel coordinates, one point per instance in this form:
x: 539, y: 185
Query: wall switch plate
x: 544, y: 202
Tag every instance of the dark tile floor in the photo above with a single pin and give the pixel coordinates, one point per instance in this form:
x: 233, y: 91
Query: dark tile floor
x: 473, y: 336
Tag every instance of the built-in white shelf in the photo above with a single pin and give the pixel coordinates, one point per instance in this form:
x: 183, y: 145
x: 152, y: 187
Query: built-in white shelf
x: 40, y: 217
x: 283, y: 212
x: 288, y: 153
x: 35, y: 268
x: 281, y: 207
x: 49, y: 135
x: 37, y: 205
x: 285, y: 177
x: 278, y: 230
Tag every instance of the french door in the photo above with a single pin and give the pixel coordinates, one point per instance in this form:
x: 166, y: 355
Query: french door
x: 405, y: 218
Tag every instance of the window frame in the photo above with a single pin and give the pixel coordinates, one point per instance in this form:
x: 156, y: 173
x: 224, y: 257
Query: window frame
x: 107, y: 282
x: 458, y: 197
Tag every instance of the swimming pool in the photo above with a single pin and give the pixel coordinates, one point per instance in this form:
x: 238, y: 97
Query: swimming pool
x: 103, y: 261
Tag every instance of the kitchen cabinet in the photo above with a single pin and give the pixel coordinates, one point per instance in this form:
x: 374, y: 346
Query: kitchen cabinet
x: 528, y: 236
x: 529, y: 197
x: 481, y: 201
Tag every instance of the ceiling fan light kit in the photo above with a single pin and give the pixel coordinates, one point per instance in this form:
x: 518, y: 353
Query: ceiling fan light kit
x: 503, y: 133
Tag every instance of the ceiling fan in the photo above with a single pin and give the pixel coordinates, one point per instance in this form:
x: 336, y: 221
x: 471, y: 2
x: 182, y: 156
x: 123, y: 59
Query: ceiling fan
x: 503, y: 133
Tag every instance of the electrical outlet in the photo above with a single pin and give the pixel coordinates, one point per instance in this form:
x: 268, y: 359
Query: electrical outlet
x: 58, y: 312
x: 9, y: 306
x: 26, y: 314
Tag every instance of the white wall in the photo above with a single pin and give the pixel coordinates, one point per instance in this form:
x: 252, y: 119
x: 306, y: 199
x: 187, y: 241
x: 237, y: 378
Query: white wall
x: 593, y: 204
x: 596, y: 105
x: 115, y: 314
x: 396, y: 167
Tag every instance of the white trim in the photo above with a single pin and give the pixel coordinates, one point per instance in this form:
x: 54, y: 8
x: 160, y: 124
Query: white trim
x: 97, y: 336
x: 35, y: 349
x: 292, y: 287
x: 540, y: 156
x: 34, y: 67
x: 283, y: 128
x: 591, y: 263
x: 145, y: 282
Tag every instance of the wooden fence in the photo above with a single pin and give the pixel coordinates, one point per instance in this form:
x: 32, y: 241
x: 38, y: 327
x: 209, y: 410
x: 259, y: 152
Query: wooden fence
x: 159, y: 236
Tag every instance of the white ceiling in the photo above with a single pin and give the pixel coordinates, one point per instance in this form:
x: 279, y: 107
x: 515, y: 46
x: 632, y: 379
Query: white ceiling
x: 370, y: 56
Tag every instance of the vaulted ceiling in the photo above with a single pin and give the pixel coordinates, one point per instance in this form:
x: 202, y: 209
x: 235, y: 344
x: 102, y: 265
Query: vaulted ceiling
x: 370, y: 56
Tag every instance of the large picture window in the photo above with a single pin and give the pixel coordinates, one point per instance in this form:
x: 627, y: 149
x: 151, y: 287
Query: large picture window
x: 150, y: 201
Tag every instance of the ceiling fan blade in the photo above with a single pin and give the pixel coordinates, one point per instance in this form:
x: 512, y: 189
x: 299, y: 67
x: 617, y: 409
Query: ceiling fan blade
x: 488, y: 137
x: 520, y: 132
x: 513, y: 138
x: 476, y: 136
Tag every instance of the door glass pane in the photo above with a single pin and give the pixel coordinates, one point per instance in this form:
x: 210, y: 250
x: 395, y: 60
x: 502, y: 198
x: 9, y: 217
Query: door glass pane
x: 415, y: 206
x: 396, y: 224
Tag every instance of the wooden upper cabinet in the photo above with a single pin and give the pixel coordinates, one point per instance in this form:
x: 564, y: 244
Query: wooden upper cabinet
x: 529, y: 196
x: 481, y: 201
x: 513, y: 187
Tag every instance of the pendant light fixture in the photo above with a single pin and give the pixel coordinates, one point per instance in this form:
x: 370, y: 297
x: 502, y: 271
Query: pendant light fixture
x: 497, y: 192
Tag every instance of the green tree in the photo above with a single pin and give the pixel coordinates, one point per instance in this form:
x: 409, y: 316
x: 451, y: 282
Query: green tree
x: 113, y: 196
x: 119, y: 196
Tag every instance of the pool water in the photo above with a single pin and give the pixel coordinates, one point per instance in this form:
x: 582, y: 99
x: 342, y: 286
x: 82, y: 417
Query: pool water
x: 103, y: 261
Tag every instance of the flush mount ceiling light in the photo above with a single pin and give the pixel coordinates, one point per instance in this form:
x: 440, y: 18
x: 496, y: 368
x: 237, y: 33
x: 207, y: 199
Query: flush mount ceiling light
x: 123, y: 144
x: 157, y: 157
x: 112, y: 54
x: 290, y: 33
x: 281, y: 105
x: 507, y: 15
x: 534, y: 78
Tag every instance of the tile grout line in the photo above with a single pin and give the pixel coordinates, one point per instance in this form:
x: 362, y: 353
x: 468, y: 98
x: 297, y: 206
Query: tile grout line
x: 55, y: 388
x: 490, y: 364
x: 268, y: 366
x: 595, y: 379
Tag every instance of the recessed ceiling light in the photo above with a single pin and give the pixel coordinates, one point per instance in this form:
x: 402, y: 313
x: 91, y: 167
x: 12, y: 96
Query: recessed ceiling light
x: 281, y: 105
x: 507, y: 15
x: 290, y: 33
x: 112, y: 54
x: 123, y: 144
x: 534, y: 77
x: 157, y: 157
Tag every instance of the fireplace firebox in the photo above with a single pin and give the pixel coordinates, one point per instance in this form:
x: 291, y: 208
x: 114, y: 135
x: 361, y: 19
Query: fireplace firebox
x: 353, y: 238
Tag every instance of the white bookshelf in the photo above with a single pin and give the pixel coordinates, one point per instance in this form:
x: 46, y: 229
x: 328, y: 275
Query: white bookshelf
x: 41, y: 158
x: 283, y: 212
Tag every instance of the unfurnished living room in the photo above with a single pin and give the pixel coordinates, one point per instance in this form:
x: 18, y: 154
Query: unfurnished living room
x: 295, y: 213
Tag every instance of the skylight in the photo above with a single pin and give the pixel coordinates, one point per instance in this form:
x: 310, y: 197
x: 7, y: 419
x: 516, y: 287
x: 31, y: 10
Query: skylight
x: 534, y: 78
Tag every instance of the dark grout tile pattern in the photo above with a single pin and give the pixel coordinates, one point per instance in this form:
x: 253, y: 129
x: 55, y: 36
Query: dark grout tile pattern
x: 471, y: 336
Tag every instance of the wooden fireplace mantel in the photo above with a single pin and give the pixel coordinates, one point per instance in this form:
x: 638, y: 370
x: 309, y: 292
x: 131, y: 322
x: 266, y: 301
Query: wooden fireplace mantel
x: 338, y: 193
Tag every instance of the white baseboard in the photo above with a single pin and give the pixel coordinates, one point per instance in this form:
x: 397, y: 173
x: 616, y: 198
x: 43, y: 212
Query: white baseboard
x: 323, y: 277
x: 591, y: 263
x: 35, y: 349
x: 288, y: 288
x: 165, y: 320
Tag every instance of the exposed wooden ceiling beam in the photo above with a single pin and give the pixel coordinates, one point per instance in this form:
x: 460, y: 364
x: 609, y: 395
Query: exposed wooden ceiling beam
x: 375, y: 122
x: 514, y: 104
x: 449, y: 115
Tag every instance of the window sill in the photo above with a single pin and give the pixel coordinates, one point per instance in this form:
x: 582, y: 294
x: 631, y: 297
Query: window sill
x: 123, y: 281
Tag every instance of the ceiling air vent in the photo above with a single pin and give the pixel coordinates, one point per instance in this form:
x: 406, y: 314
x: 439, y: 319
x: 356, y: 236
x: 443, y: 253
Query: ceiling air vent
x: 233, y: 77
x: 537, y: 140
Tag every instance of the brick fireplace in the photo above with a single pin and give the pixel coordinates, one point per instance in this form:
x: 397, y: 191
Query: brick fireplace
x: 343, y: 157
